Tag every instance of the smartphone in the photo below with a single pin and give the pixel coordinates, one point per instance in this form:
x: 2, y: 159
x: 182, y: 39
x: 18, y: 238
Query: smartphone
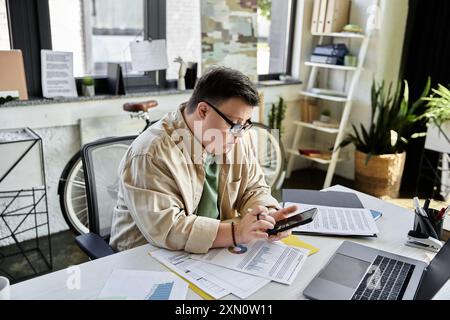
x: 294, y: 221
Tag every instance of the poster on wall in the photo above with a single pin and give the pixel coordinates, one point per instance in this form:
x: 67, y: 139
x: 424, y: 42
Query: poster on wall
x: 229, y: 35
x: 57, y: 74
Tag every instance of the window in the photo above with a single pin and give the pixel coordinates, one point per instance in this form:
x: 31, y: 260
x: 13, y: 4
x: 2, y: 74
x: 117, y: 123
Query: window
x: 4, y: 28
x: 97, y: 32
x: 275, y: 33
x: 183, y: 33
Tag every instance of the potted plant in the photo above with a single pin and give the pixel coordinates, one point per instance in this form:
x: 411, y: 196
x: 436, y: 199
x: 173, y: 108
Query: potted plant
x: 325, y: 116
x: 6, y: 99
x: 87, y: 86
x: 438, y: 116
x: 380, y: 149
x: 277, y: 114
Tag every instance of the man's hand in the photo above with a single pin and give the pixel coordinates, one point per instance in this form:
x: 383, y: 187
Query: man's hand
x: 280, y: 215
x: 254, y: 225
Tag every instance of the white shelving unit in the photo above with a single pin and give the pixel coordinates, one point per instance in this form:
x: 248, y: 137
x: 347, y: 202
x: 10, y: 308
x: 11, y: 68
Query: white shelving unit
x: 342, y: 99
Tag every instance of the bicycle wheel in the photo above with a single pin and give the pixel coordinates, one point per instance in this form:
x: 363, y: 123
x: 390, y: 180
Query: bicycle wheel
x: 270, y: 154
x: 72, y: 195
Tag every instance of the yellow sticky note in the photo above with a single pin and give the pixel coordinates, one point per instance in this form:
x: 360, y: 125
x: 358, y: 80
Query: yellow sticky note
x: 295, y: 241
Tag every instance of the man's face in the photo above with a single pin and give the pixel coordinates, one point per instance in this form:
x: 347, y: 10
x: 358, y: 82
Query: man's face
x: 216, y: 135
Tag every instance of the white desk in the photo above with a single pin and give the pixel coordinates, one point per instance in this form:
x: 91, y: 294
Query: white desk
x: 393, y: 227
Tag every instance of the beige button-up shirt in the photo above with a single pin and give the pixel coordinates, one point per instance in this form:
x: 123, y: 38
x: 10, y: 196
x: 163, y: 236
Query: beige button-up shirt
x: 161, y: 183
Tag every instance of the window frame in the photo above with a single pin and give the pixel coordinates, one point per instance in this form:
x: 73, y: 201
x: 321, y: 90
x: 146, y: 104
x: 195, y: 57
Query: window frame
x: 289, y: 46
x: 30, y: 31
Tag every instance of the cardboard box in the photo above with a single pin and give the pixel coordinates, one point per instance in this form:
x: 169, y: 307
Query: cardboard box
x: 12, y: 75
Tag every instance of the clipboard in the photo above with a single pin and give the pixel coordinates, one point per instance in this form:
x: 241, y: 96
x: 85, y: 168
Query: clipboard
x: 324, y: 198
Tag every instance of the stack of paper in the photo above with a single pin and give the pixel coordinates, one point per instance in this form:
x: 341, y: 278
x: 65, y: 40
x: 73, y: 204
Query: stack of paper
x: 241, y: 271
x: 337, y: 221
x: 179, y: 262
x: 269, y: 260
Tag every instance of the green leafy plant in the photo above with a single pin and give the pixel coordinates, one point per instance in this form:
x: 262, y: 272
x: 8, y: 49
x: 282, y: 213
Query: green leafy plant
x: 266, y: 7
x: 391, y: 122
x: 326, y: 112
x: 438, y: 106
x: 277, y: 114
x: 88, y: 81
x: 6, y: 99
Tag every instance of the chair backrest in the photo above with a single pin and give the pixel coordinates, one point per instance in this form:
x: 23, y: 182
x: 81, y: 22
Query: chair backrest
x: 101, y: 161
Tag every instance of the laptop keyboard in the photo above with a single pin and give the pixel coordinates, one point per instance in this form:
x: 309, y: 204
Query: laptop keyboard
x: 386, y: 279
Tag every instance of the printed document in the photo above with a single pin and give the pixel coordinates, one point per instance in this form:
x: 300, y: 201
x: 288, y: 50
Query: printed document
x: 144, y: 285
x: 179, y: 262
x: 271, y: 260
x: 337, y: 221
x: 238, y: 283
x: 57, y: 74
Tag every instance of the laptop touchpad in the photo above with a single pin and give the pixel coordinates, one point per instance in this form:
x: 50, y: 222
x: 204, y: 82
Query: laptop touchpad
x: 345, y: 270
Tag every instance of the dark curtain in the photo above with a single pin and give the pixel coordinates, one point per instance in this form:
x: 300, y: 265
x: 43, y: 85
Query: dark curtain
x: 426, y: 52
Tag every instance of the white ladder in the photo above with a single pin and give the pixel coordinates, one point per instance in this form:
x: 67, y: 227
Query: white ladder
x: 335, y: 97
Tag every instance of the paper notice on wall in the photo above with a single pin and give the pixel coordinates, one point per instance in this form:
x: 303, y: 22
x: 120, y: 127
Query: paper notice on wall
x: 57, y: 74
x: 149, y: 55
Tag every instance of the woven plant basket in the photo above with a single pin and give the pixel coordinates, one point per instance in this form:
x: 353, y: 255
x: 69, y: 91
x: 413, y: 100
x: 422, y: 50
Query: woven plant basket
x: 382, y: 175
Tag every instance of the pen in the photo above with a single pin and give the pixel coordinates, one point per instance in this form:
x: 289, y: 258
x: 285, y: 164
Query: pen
x: 426, y: 220
x: 430, y: 213
x: 426, y: 204
x: 418, y: 208
x: 440, y: 214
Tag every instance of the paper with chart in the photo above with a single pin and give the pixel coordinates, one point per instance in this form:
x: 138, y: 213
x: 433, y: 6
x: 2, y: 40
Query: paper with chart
x: 144, y: 285
x: 338, y: 221
x: 179, y: 262
x: 271, y: 260
x: 238, y: 283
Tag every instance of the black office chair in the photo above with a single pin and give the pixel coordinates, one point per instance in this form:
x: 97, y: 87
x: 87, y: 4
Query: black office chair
x: 101, y: 161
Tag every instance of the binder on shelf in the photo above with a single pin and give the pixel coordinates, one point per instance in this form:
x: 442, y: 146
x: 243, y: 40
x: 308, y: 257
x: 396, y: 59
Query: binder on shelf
x: 337, y: 15
x: 315, y: 16
x: 324, y: 59
x: 335, y: 50
x: 322, y: 16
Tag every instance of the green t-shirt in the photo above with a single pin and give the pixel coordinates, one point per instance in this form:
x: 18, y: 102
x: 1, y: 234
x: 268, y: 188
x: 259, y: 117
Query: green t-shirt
x: 208, y: 206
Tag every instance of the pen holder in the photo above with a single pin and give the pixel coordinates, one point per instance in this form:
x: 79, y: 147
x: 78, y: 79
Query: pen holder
x: 437, y: 225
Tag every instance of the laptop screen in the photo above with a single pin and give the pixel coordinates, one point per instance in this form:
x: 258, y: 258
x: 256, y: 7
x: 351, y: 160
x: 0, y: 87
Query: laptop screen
x: 437, y: 274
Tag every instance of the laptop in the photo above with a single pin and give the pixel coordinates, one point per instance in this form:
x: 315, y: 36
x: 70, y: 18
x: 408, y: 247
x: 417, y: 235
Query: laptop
x: 358, y: 272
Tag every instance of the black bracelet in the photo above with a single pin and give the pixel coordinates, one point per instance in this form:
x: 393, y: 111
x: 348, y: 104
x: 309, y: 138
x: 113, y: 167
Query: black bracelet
x: 232, y: 234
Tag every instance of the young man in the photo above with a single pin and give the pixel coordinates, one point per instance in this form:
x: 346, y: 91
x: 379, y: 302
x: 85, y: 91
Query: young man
x: 191, y: 181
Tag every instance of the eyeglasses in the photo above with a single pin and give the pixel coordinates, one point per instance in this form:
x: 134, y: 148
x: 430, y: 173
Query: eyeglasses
x: 235, y: 128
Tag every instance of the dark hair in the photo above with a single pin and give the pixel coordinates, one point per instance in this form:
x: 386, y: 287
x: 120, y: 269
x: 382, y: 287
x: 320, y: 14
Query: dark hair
x: 220, y: 84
